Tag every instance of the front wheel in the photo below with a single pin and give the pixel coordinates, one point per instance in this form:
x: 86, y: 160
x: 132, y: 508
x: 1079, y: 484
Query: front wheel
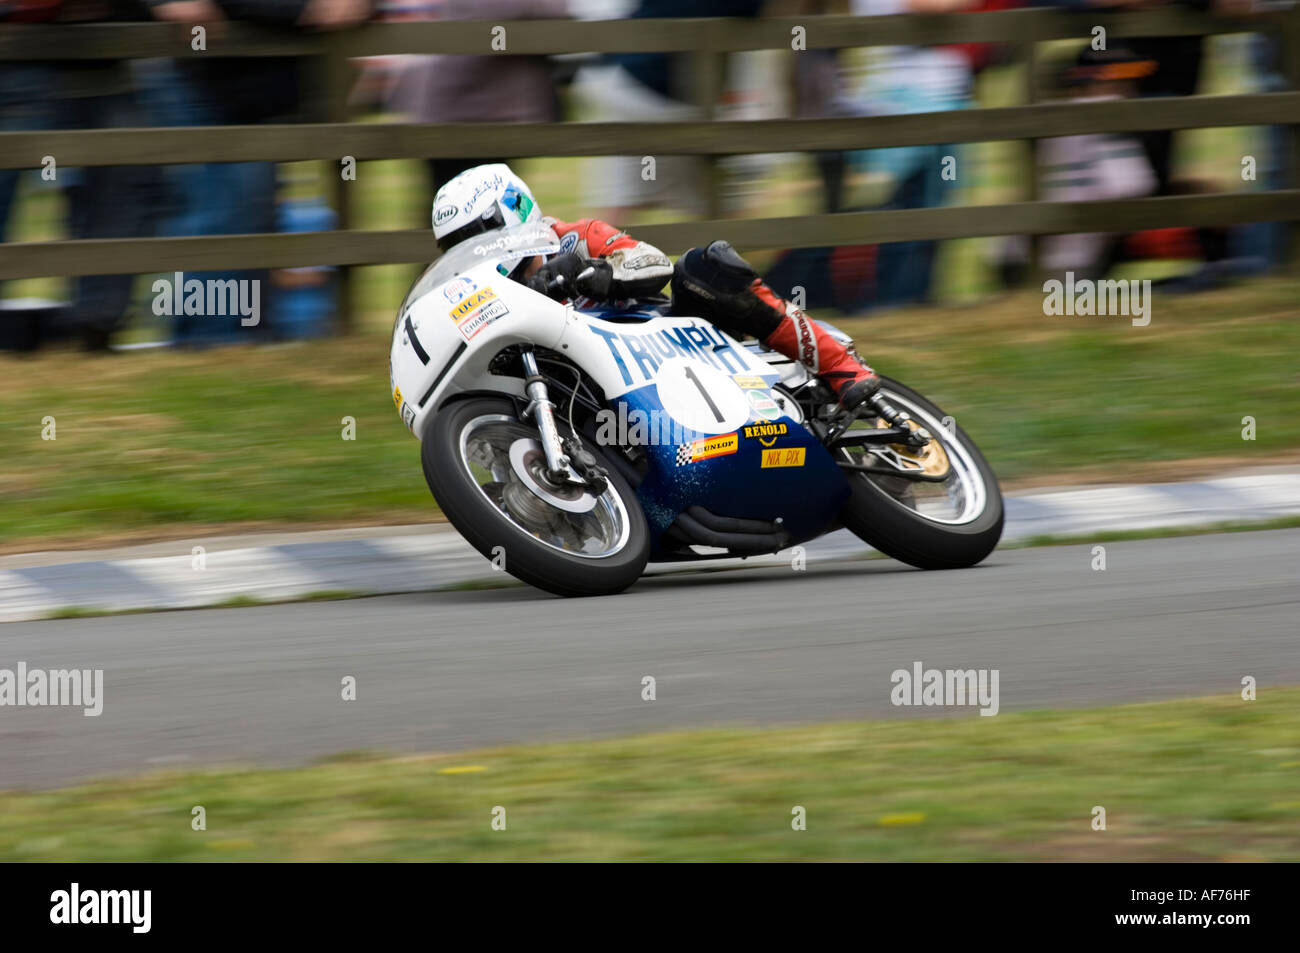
x: 949, y: 520
x: 487, y: 471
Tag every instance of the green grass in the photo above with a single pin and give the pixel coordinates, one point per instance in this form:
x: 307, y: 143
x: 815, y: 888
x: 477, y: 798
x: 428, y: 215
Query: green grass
x: 232, y: 602
x: 480, y: 585
x: 1100, y: 398
x: 81, y: 612
x: 1207, y: 779
x: 157, y: 443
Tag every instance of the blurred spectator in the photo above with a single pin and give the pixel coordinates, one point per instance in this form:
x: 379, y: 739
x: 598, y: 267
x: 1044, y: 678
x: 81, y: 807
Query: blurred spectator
x: 103, y: 201
x: 476, y: 88
x: 305, y: 297
x: 1177, y: 72
x: 853, y: 278
x: 820, y: 86
x: 819, y: 92
x: 1108, y: 166
x: 1262, y: 245
x: 912, y: 79
x: 1094, y: 166
x: 650, y: 87
x: 230, y: 198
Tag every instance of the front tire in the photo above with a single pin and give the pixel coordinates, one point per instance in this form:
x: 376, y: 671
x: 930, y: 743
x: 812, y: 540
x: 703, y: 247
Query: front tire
x: 481, y: 463
x: 911, y: 521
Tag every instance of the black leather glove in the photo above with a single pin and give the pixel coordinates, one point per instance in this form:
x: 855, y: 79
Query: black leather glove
x: 570, y: 274
x: 555, y: 278
x: 596, y: 281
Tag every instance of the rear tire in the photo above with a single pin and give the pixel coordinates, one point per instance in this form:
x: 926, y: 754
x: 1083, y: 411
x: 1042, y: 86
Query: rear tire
x: 882, y: 520
x: 495, y: 534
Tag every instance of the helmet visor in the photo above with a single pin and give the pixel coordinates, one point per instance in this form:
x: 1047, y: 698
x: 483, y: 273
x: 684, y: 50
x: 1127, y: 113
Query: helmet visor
x: 490, y: 220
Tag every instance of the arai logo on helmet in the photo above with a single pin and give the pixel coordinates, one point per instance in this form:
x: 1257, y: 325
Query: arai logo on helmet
x: 443, y: 215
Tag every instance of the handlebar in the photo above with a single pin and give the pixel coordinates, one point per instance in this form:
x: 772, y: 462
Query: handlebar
x: 558, y: 282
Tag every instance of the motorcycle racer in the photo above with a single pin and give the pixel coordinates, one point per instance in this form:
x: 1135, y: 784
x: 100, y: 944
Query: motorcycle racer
x: 602, y: 263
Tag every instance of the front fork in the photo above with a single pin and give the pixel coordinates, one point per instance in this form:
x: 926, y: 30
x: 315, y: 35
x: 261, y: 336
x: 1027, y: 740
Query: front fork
x: 542, y: 411
x: 567, y: 461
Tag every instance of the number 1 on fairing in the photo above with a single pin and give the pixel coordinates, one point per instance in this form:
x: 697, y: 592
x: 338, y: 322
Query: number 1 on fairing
x: 717, y: 414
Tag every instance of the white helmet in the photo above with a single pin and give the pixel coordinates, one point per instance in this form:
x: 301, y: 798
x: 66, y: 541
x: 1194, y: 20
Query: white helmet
x: 481, y: 199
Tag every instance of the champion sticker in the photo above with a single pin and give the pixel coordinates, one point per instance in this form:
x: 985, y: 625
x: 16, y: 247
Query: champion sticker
x: 476, y: 321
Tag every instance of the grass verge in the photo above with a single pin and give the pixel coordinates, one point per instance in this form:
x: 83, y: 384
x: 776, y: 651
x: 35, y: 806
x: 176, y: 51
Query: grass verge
x: 152, y: 442
x: 1204, y: 779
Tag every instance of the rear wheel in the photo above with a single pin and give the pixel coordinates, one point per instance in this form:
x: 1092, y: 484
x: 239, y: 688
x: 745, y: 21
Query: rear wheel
x: 487, y: 471
x: 950, y: 521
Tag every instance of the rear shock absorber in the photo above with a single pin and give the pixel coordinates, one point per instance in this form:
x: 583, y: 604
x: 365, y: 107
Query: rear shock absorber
x: 898, y: 418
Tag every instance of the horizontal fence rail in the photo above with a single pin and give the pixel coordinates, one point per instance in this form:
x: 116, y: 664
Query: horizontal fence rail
x: 147, y: 255
x: 181, y: 144
x: 708, y: 40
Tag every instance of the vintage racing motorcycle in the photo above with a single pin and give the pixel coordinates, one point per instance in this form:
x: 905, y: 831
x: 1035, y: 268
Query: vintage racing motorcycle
x: 578, y: 444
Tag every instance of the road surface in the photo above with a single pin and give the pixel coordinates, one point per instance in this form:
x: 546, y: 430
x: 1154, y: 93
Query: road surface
x: 1166, y: 618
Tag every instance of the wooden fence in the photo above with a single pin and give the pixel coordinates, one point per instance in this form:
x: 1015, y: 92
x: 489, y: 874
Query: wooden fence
x: 707, y: 42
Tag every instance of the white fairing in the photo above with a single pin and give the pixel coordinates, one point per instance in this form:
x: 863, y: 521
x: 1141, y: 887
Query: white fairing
x: 479, y: 309
x: 685, y: 359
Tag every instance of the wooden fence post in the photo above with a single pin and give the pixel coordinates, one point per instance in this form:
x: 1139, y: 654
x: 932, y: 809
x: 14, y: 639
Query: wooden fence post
x: 1028, y: 54
x: 1291, y: 64
x: 707, y: 72
x: 334, y: 73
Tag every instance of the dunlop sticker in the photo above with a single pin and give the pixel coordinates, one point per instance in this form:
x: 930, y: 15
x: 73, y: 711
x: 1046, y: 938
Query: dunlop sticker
x: 707, y: 447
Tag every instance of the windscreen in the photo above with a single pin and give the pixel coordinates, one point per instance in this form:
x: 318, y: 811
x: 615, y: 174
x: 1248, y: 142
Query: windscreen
x: 507, y: 248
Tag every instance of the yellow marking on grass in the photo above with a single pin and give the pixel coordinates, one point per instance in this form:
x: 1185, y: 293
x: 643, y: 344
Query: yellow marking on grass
x: 895, y: 820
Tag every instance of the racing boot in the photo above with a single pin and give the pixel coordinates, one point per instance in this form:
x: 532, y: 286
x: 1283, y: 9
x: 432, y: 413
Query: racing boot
x: 799, y: 337
x: 719, y: 284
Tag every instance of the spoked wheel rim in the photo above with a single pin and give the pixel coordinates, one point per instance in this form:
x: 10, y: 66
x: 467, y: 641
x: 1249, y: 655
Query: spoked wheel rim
x: 959, y: 499
x: 504, y: 459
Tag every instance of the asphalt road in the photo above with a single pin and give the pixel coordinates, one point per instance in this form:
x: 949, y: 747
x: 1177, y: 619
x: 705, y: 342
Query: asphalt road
x: 442, y: 671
